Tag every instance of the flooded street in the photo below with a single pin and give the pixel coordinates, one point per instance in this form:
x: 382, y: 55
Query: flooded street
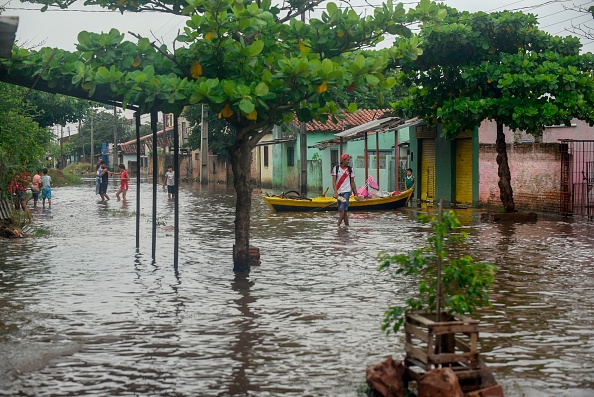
x: 83, y: 313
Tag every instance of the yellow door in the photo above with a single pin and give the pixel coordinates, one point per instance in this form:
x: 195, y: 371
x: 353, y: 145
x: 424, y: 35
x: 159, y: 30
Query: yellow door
x: 427, y: 175
x: 464, y: 171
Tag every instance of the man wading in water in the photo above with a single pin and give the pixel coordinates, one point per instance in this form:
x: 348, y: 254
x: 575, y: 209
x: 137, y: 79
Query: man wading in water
x: 343, y: 182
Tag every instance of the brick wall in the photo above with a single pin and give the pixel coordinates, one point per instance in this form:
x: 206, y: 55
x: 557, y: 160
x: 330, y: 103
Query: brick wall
x: 535, y: 176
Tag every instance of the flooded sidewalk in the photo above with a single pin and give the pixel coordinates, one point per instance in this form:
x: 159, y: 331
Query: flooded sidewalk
x: 83, y: 313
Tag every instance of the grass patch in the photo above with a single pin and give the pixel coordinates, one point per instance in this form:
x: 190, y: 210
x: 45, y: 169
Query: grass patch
x: 64, y: 178
x: 40, y: 232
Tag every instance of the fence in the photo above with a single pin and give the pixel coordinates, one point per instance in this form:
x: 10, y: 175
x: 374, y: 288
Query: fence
x: 577, y: 178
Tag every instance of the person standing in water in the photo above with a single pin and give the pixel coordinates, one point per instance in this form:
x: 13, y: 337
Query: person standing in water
x: 104, y: 175
x: 46, y: 189
x: 169, y: 181
x: 124, y: 178
x: 343, y: 182
x: 35, y: 188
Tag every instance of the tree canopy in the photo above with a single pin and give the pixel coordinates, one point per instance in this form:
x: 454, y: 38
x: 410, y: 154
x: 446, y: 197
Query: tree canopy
x: 22, y: 141
x: 500, y: 67
x: 253, y: 63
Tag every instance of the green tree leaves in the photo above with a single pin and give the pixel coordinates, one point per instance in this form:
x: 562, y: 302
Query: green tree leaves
x: 465, y: 284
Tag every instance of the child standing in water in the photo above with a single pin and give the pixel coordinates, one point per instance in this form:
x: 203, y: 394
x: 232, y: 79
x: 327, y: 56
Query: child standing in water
x: 46, y: 189
x: 124, y: 178
x: 169, y: 181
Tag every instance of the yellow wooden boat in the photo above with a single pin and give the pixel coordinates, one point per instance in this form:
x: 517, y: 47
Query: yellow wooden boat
x: 292, y: 202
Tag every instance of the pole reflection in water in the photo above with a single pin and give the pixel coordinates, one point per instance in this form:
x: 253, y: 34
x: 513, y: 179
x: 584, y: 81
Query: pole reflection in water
x: 83, y: 312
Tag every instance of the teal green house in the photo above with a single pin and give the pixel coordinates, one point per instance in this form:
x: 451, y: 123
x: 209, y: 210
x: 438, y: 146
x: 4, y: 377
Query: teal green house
x: 382, y: 148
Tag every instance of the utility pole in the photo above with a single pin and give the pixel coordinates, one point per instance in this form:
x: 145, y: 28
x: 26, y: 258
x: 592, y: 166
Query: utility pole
x: 61, y: 147
x: 303, y: 145
x: 204, y: 147
x: 115, y: 138
x: 82, y: 144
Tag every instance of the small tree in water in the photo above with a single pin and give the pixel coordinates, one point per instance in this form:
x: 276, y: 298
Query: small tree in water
x: 450, y: 283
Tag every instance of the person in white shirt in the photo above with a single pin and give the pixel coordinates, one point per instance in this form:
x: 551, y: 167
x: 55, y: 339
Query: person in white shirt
x: 343, y: 182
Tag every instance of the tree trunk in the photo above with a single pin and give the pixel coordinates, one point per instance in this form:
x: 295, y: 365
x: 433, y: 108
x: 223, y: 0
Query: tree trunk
x: 505, y: 190
x: 241, y: 161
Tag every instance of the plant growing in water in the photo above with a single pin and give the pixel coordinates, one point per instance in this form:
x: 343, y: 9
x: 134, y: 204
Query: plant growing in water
x: 450, y: 283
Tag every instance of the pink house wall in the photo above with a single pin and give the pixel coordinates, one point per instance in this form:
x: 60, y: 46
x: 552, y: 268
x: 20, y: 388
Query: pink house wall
x: 581, y: 131
x: 535, y: 176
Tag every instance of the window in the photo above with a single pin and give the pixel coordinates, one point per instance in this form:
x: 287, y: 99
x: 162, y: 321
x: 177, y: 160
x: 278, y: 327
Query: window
x: 290, y: 157
x: 334, y: 157
x: 265, y: 148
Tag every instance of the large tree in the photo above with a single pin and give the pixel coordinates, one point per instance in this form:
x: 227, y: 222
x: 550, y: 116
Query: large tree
x: 22, y: 142
x: 253, y: 63
x: 498, y: 67
x: 49, y: 109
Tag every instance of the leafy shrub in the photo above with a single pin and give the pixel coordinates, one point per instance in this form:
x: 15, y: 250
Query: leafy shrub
x: 462, y: 284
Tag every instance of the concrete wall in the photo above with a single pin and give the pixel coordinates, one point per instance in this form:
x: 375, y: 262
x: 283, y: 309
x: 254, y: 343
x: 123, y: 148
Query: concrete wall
x: 535, y: 173
x: 580, y: 131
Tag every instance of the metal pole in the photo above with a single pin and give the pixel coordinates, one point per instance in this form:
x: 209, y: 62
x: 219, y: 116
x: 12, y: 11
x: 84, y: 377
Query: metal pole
x: 155, y: 180
x: 137, y: 117
x: 204, y: 147
x: 303, y: 144
x: 115, y: 138
x: 176, y: 197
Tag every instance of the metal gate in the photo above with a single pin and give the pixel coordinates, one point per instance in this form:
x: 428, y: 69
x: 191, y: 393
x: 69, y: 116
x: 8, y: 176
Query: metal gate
x: 577, y: 178
x: 464, y: 171
x: 427, y: 175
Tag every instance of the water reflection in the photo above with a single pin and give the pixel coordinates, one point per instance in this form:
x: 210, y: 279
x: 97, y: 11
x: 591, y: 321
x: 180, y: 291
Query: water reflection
x: 82, y: 311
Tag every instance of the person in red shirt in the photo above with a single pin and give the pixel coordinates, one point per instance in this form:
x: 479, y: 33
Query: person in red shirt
x: 124, y: 178
x: 18, y: 189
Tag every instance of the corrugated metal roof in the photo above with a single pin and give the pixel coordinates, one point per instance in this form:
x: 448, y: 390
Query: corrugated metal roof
x: 366, y: 127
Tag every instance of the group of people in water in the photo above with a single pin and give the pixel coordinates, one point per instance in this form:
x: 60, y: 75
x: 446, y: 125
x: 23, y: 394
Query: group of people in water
x: 40, y: 187
x: 102, y: 180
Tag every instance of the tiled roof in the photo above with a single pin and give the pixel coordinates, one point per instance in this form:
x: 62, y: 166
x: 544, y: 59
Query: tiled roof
x: 348, y: 120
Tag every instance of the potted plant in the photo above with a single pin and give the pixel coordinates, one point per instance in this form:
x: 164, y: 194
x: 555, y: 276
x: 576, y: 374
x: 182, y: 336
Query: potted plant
x: 450, y: 286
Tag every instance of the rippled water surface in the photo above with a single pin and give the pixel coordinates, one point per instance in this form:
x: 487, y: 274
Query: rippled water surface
x: 83, y: 313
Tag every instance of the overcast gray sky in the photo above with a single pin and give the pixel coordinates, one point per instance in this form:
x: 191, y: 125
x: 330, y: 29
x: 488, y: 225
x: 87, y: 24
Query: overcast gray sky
x: 59, y: 28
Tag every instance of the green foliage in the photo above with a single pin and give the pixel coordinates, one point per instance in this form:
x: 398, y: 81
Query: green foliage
x: 221, y: 134
x: 79, y: 168
x: 499, y: 67
x: 465, y: 284
x: 54, y: 109
x: 38, y: 232
x: 22, y: 141
x: 103, y: 123
x: 239, y: 56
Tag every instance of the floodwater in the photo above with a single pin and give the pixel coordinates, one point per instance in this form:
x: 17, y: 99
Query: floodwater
x: 83, y: 313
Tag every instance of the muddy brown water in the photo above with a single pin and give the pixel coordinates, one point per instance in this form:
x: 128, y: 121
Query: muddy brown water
x: 83, y: 313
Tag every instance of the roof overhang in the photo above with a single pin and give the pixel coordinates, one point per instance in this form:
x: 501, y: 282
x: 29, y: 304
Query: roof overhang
x: 374, y: 127
x: 277, y: 141
x: 379, y: 125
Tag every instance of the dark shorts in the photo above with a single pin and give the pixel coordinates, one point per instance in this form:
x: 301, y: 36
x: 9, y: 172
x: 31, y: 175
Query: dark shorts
x: 343, y: 206
x: 35, y: 194
x: 102, y: 188
x: 20, y: 195
x: 170, y: 189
